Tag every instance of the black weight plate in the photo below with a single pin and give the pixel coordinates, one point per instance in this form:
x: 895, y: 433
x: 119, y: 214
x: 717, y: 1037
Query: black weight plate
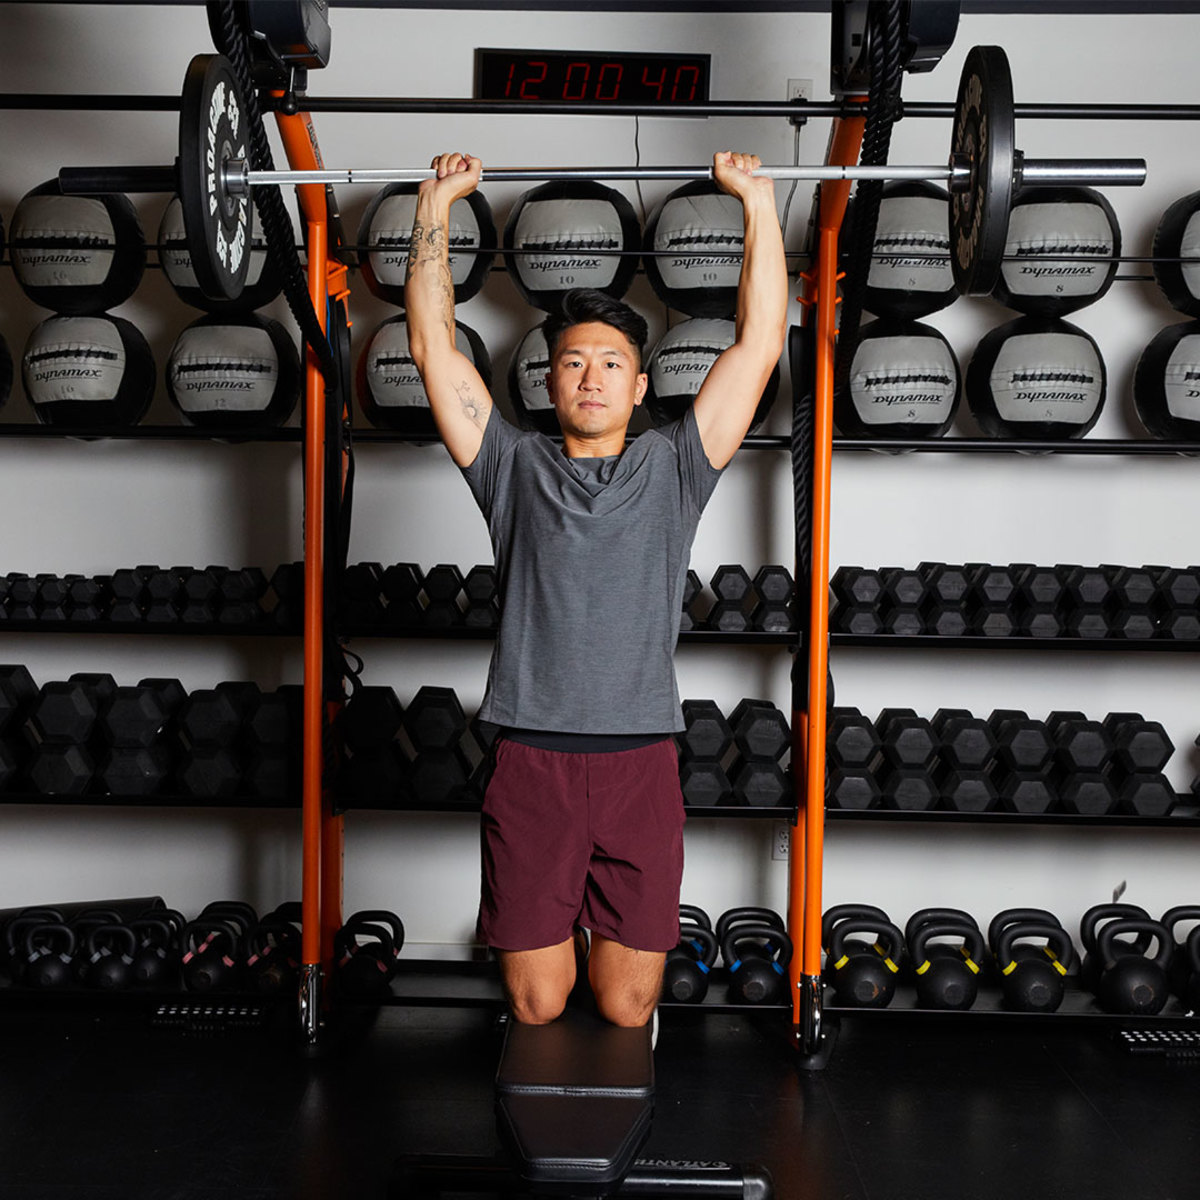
x: 983, y: 135
x: 212, y: 129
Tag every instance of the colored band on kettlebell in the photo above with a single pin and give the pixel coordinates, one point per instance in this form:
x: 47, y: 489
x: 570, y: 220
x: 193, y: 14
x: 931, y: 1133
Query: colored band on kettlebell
x: 891, y: 966
x: 1059, y: 967
x: 924, y: 967
x: 973, y: 965
x: 1012, y: 966
x: 841, y: 962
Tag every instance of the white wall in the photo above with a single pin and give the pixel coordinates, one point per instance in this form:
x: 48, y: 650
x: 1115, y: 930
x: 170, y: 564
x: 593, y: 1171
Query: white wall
x: 96, y: 506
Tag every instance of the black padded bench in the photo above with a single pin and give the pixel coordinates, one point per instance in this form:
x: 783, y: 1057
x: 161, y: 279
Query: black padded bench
x: 574, y: 1101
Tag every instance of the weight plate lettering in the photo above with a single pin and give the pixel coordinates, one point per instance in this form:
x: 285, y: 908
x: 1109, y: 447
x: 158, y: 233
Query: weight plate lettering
x: 983, y: 136
x: 213, y: 129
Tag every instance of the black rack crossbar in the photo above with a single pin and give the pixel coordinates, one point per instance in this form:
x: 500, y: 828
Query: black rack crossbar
x: 800, y: 109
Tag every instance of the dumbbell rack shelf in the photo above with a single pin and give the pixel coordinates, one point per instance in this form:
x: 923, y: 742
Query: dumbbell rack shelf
x: 1187, y: 817
x: 158, y: 800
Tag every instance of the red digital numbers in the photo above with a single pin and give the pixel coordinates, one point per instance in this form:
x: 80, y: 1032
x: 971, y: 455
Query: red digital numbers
x: 656, y: 84
x: 615, y: 72
x: 540, y: 70
x: 677, y: 88
x: 566, y: 77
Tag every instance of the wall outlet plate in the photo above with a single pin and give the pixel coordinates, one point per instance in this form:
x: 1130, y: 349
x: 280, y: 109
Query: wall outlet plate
x: 799, y: 89
x: 781, y: 841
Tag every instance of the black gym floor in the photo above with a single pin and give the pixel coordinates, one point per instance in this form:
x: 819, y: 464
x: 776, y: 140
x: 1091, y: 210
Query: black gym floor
x: 105, y: 1107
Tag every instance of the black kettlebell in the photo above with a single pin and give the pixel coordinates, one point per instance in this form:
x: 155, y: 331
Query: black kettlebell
x: 365, y: 951
x: 756, y: 957
x: 691, y: 914
x: 82, y: 924
x: 210, y: 955
x: 947, y: 976
x: 156, y: 959
x: 273, y: 954
x: 14, y: 943
x: 747, y: 914
x: 1017, y: 916
x: 922, y: 917
x: 108, y: 958
x: 1133, y: 982
x: 863, y: 974
x: 49, y: 951
x: 686, y: 970
x: 1180, y: 968
x: 1090, y: 969
x: 1033, y: 978
x: 1190, y: 995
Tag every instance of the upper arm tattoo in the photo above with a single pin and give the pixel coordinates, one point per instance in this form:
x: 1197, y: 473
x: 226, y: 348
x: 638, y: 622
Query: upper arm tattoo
x: 473, y: 409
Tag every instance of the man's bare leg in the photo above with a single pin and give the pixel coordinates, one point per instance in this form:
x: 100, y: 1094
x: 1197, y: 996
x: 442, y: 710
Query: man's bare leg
x: 537, y: 982
x: 625, y: 982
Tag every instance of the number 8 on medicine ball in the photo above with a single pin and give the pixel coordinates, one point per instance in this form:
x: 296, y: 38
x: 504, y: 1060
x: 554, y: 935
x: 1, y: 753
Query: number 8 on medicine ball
x: 552, y: 235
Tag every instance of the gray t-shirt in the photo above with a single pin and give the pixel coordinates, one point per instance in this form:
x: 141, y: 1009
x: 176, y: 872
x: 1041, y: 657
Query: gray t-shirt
x: 591, y: 558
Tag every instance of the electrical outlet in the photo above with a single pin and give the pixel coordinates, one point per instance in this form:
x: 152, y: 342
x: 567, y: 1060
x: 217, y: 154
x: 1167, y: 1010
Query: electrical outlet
x: 781, y: 841
x: 799, y: 89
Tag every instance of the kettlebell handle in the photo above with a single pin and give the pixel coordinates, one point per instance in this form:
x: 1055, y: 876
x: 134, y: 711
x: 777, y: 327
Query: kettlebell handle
x: 701, y: 942
x: 104, y: 937
x: 1192, y: 946
x: 1059, y: 948
x: 844, y: 912
x: 381, y: 916
x: 1018, y: 916
x: 775, y: 938
x: 969, y: 937
x: 1103, y: 912
x: 954, y: 916
x: 894, y: 944
x: 746, y: 914
x: 49, y: 932
x: 1147, y: 927
x: 694, y: 915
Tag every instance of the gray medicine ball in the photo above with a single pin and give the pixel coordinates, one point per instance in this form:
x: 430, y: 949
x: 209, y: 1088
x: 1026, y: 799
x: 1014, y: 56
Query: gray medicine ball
x: 1178, y: 236
x: 263, y: 283
x: 386, y: 232
x: 1036, y: 378
x: 679, y: 364
x: 390, y: 390
x: 527, y: 390
x: 693, y: 250
x: 1166, y: 383
x: 904, y: 382
x: 910, y: 275
x: 76, y: 255
x: 1070, y: 222
x: 554, y: 232
x: 234, y: 371
x: 92, y: 372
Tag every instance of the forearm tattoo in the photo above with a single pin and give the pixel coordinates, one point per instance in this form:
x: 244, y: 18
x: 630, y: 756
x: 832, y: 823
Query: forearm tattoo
x: 428, y: 248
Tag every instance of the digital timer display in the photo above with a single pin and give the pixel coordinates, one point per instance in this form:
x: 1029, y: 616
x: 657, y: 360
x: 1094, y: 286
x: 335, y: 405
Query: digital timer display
x: 562, y: 76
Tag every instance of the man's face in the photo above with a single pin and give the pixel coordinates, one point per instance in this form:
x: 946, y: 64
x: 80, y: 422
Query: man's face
x: 594, y: 382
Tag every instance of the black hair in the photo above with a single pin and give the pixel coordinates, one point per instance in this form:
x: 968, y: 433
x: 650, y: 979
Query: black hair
x: 581, y: 305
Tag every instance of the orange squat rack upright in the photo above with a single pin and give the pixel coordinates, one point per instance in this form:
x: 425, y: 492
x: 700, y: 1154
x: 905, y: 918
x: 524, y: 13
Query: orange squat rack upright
x: 808, y: 728
x: 322, y: 831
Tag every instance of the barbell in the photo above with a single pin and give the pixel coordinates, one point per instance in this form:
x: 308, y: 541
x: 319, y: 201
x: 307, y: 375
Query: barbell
x: 215, y: 182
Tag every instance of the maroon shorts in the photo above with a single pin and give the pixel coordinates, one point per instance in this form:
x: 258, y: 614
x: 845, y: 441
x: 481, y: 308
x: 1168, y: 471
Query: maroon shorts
x: 588, y: 839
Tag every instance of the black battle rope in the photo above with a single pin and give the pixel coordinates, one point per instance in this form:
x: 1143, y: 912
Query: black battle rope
x: 883, y: 102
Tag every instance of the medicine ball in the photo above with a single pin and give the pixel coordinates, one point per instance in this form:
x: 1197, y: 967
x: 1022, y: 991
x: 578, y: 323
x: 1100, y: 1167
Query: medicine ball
x: 6, y: 372
x: 564, y: 223
x: 527, y: 390
x: 1166, y: 383
x: 263, y: 283
x: 904, y: 382
x: 386, y: 227
x: 1036, y: 378
x: 1178, y: 236
x: 94, y: 372
x: 910, y: 275
x: 693, y: 250
x: 390, y: 390
x: 234, y: 371
x: 679, y: 364
x: 77, y: 255
x: 1044, y: 223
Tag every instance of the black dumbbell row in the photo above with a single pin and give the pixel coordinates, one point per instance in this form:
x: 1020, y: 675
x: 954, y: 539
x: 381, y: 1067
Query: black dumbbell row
x: 736, y: 759
x: 1007, y: 762
x: 88, y: 736
x: 1018, y: 600
x: 1130, y: 963
x: 144, y: 595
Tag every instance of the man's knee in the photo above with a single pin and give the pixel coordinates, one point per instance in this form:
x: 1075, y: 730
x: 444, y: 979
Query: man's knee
x: 537, y: 1006
x: 628, y: 1007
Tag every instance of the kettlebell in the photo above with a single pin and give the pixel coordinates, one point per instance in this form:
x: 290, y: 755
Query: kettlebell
x: 14, y: 944
x: 365, y: 951
x: 1191, y: 989
x: 108, y: 958
x: 863, y: 974
x: 1033, y: 978
x: 747, y: 915
x: 691, y: 914
x: 156, y: 959
x: 757, y: 958
x: 1132, y: 982
x: 1089, y: 971
x: 922, y: 917
x: 947, y: 976
x: 82, y: 924
x: 273, y: 955
x: 686, y: 970
x: 1180, y: 968
x: 49, y: 950
x: 210, y: 953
